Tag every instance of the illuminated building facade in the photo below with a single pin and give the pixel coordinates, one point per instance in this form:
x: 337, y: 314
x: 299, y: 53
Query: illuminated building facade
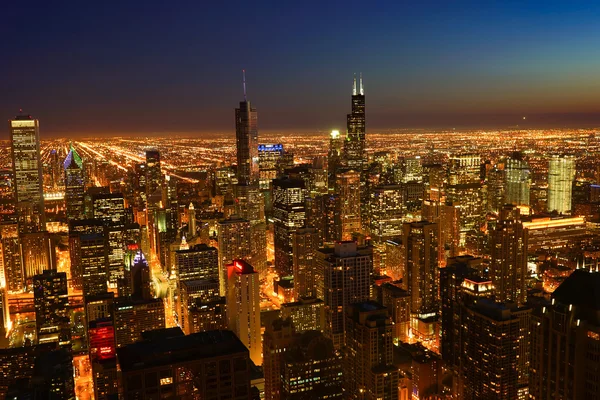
x: 243, y: 306
x: 12, y: 260
x: 344, y: 277
x: 397, y: 301
x: 74, y: 185
x: 334, y: 159
x: 153, y: 172
x: 289, y: 214
x: 51, y: 301
x: 307, y: 313
x: 94, y: 263
x: 27, y: 172
x: 305, y: 242
x: 518, y: 180
x: 387, y: 212
x: 553, y: 233
x: 508, y: 268
x: 202, y: 307
x: 561, y: 173
x: 421, y: 255
x: 234, y: 243
x: 269, y: 159
x: 369, y: 372
x: 348, y: 186
x: 39, y: 253
x: 134, y: 316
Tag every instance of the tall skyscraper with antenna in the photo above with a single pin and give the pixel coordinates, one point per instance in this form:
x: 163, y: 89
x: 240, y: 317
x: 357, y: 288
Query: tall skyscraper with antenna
x: 354, y: 146
x: 246, y: 135
x: 27, y: 169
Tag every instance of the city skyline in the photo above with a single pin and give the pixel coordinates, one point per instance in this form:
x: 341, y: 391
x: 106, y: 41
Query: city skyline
x: 152, y: 69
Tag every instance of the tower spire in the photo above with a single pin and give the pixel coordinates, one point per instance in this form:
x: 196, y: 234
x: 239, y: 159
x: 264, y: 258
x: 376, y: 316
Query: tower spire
x: 362, y: 91
x: 354, y: 86
x: 244, y: 82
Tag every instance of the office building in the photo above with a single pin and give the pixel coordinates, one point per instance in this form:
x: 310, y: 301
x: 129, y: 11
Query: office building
x: 305, y: 242
x: 307, y: 313
x: 51, y: 301
x: 269, y: 163
x: 518, y: 180
x: 369, y: 372
x: 289, y: 214
x: 397, y: 301
x: 561, y: 173
x: 74, y: 185
x: 12, y: 260
x: 94, y: 263
x: 421, y: 280
x: 201, y: 306
x: 344, y: 276
x: 348, y: 188
x: 38, y: 253
x: 216, y: 365
x: 243, y: 306
x: 134, y: 316
x: 565, y: 341
x: 153, y: 172
x: 27, y: 172
x: 387, y: 211
x: 354, y: 145
x: 233, y: 236
x: 508, y: 268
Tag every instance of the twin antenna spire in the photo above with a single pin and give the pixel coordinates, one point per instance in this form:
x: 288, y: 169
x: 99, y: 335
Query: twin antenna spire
x: 361, y: 89
x: 244, y: 82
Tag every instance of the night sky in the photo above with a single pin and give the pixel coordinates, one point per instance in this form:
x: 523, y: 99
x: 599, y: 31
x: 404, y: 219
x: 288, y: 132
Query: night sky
x: 154, y: 67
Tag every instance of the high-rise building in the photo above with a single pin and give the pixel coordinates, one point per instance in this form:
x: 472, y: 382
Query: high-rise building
x: 305, y: 242
x: 397, y: 301
x: 12, y: 259
x: 74, y: 185
x: 348, y: 185
x: 202, y: 307
x: 243, y: 306
x: 233, y: 236
x: 565, y: 341
x: 51, y: 301
x: 269, y: 158
x: 518, y: 180
x: 277, y: 339
x: 27, y: 171
x: 93, y: 261
x: 153, y: 172
x: 307, y: 313
x: 289, y: 214
x: 137, y: 278
x: 354, y: 145
x: 38, y: 252
x: 334, y: 159
x: 492, y: 362
x: 197, y: 262
x: 561, y: 173
x: 387, y: 212
x: 344, y: 275
x: 421, y: 280
x: 508, y: 268
x: 204, y: 365
x: 134, y: 316
x: 246, y: 136
x: 369, y: 372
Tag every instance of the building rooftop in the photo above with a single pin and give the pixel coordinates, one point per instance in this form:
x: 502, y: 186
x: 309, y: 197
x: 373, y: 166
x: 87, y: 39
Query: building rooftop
x: 581, y: 288
x: 178, y: 349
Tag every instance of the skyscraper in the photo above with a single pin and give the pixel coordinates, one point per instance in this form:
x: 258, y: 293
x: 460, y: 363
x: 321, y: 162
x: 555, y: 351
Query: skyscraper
x: 354, y: 146
x: 421, y: 280
x: 348, y: 204
x: 344, y: 275
x: 561, y: 172
x: 153, y: 172
x: 508, y: 268
x: 565, y: 338
x: 246, y: 136
x: 289, y: 214
x: 74, y: 185
x: 334, y: 159
x: 233, y: 236
x: 369, y: 372
x: 51, y: 302
x: 305, y: 242
x: 243, y: 306
x: 27, y: 169
x: 518, y: 180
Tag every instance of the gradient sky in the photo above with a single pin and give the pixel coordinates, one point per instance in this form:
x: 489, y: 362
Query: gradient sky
x: 109, y: 67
